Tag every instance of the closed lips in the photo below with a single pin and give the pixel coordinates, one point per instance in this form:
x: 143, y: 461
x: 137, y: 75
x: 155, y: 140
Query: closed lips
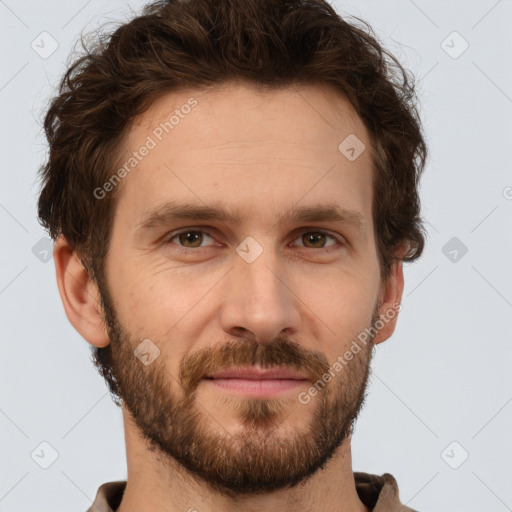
x: 256, y: 374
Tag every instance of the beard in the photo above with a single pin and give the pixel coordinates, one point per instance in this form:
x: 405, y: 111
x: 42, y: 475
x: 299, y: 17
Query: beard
x: 264, y: 453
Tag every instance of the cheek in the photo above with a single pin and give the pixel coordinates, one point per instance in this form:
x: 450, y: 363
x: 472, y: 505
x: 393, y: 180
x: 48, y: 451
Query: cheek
x: 344, y: 301
x: 350, y: 286
x: 156, y: 300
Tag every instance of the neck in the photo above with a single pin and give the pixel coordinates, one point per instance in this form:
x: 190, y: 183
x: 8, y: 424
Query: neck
x: 157, y: 484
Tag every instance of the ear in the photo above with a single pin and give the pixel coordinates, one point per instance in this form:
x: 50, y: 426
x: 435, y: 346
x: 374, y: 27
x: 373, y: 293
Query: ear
x: 79, y: 294
x: 390, y: 299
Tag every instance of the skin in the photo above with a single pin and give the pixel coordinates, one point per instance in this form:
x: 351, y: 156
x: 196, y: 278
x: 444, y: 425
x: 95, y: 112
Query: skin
x: 261, y: 153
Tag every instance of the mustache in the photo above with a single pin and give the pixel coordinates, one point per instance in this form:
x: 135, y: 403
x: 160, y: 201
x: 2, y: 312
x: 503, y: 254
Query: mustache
x: 280, y: 352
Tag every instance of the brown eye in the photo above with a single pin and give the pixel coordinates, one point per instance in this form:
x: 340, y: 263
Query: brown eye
x: 193, y: 237
x: 316, y: 239
x: 189, y: 239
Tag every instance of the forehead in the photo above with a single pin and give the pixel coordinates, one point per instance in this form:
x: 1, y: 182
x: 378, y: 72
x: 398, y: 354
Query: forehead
x: 219, y: 110
x: 250, y: 147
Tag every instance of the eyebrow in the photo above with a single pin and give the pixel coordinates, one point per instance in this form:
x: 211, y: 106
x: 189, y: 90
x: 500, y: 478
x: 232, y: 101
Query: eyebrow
x: 171, y: 211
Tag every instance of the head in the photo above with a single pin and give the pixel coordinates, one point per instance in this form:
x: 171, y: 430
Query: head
x: 235, y: 193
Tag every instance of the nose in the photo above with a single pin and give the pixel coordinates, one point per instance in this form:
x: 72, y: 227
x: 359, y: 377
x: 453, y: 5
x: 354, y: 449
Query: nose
x: 259, y: 300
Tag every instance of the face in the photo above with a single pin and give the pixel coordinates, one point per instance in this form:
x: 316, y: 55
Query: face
x: 243, y: 240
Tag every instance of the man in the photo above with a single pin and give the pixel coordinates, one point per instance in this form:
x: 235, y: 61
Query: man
x: 232, y: 190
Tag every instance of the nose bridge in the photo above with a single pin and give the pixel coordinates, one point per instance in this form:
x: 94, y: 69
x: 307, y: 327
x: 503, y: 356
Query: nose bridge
x: 260, y: 268
x: 259, y: 299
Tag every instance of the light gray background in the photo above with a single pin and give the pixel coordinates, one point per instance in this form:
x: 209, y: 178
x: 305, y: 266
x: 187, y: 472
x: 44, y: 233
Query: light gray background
x: 443, y: 377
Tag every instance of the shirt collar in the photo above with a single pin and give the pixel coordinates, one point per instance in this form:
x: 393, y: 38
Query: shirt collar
x: 378, y: 493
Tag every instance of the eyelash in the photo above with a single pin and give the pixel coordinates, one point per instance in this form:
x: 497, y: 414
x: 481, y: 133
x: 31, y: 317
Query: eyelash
x: 200, y: 250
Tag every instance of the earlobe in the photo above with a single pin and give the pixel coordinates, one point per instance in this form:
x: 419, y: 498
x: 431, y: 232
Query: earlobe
x: 390, y: 302
x: 79, y: 294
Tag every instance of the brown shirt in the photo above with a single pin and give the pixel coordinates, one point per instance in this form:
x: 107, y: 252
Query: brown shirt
x: 379, y: 493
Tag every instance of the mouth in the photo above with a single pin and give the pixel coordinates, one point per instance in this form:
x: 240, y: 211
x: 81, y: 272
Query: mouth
x: 251, y: 381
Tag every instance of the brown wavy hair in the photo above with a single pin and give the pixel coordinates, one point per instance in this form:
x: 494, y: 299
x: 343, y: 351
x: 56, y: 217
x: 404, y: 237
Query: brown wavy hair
x: 191, y: 44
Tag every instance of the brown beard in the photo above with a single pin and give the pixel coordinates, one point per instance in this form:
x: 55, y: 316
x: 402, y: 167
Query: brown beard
x: 258, y: 458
